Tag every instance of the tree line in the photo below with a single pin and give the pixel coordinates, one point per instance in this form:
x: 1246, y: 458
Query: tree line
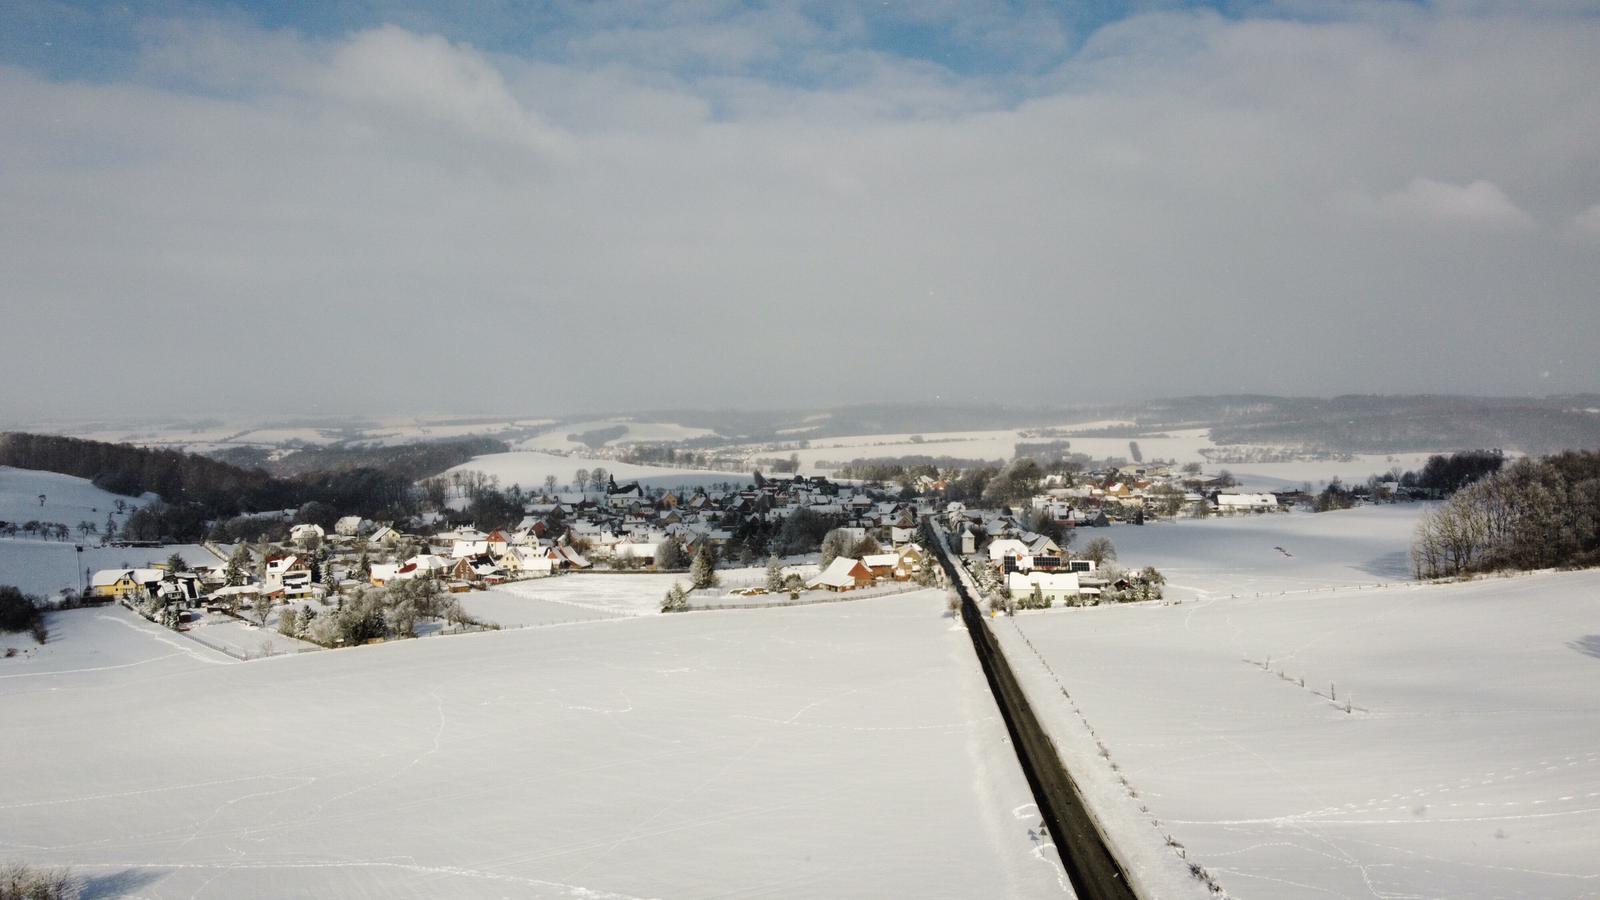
x: 1530, y: 514
x: 197, y: 491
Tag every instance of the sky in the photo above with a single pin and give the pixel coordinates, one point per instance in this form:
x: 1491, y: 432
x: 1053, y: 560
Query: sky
x: 373, y: 207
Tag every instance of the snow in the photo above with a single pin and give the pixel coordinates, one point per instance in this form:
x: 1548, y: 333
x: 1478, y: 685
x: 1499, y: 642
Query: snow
x: 68, y: 500
x: 47, y: 567
x: 529, y: 468
x: 1466, y: 765
x: 600, y: 592
x: 637, y: 433
x: 1177, y: 445
x: 1239, y: 552
x: 838, y: 750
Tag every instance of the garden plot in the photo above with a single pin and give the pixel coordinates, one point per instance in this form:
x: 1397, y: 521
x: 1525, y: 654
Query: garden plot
x: 838, y: 750
x: 1302, y: 735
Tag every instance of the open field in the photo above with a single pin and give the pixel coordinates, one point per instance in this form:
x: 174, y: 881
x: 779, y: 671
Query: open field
x: 529, y: 468
x: 1442, y: 745
x: 68, y: 500
x: 840, y: 750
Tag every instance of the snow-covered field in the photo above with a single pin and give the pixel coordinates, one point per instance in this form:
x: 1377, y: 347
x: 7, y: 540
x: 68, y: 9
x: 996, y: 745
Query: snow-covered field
x: 839, y: 750
x: 68, y: 500
x: 48, y: 567
x: 1241, y: 553
x: 637, y: 432
x: 1465, y: 766
x: 1179, y: 446
x: 529, y: 468
x: 599, y: 592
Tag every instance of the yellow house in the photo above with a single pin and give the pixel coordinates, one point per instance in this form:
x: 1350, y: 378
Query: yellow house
x: 114, y: 584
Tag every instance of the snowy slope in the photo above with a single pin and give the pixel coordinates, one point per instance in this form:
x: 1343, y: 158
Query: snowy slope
x: 68, y: 500
x: 1466, y: 765
x: 831, y: 751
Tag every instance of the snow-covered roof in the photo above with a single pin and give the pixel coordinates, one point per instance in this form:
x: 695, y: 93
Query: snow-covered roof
x: 108, y: 577
x: 837, y: 574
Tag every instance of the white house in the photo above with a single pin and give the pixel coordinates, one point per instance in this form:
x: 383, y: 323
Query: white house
x: 1001, y: 549
x: 1059, y: 588
x: 302, y: 533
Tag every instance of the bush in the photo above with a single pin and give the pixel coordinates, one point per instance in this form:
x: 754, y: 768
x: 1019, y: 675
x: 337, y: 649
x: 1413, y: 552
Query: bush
x: 676, y: 600
x: 20, y: 612
x: 1034, y: 600
x: 24, y: 882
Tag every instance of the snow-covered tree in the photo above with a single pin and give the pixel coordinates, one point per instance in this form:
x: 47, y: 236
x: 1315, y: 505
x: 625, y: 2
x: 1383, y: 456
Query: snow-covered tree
x: 703, y: 571
x: 835, y: 544
x: 676, y: 600
x: 774, y: 575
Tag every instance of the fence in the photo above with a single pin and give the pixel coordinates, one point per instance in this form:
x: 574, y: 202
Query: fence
x: 808, y: 598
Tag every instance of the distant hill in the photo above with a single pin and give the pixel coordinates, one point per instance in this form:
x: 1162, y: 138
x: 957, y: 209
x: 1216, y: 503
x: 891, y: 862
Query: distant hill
x: 1391, y: 424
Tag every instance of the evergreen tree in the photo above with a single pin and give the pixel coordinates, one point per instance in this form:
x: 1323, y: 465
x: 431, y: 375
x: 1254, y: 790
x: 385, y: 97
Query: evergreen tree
x: 233, y: 575
x: 835, y: 543
x: 703, y: 571
x: 676, y: 600
x: 774, y: 575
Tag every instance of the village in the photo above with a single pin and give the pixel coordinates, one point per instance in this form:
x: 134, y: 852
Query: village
x: 810, y: 533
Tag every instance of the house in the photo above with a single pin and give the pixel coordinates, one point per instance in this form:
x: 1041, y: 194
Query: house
x: 881, y: 565
x: 220, y: 600
x: 475, y: 570
x: 568, y: 558
x: 288, y: 578
x: 383, y: 573
x: 114, y: 584
x: 1061, y: 588
x: 300, y: 534
x: 527, y: 561
x: 911, y: 557
x: 902, y: 534
x: 386, y: 536
x: 1002, y: 549
x: 843, y: 574
x: 348, y: 526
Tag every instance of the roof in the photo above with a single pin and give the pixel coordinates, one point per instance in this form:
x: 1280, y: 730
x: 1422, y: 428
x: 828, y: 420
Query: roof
x: 108, y: 577
x: 839, y: 573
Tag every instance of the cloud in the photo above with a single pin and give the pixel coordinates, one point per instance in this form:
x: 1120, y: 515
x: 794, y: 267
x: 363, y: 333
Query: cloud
x: 389, y: 219
x: 430, y: 79
x: 1586, y: 224
x: 1475, y: 204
